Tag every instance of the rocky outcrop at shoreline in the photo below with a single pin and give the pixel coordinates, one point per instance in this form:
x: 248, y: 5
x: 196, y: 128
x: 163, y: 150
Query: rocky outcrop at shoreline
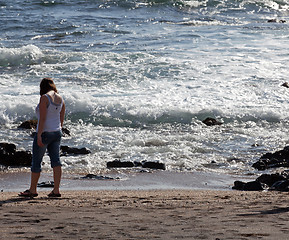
x: 275, y: 181
x: 9, y: 156
x: 273, y: 160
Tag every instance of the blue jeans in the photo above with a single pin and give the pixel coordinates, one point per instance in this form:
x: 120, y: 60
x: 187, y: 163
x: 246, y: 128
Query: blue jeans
x: 51, y: 141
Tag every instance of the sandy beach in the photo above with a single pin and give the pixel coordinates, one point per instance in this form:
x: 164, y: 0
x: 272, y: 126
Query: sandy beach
x: 146, y: 214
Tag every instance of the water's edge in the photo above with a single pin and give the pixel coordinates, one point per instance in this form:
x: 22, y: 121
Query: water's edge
x: 13, y: 182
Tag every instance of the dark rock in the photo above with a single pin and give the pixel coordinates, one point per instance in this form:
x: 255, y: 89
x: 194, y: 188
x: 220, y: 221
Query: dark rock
x: 279, y: 155
x: 285, y: 84
x: 211, y: 122
x: 272, y: 20
x: 93, y: 176
x: 65, y: 132
x: 250, y: 186
x: 76, y: 151
x: 273, y: 160
x: 48, y: 184
x: 276, y: 21
x: 239, y: 185
x: 29, y: 124
x: 276, y: 181
x: 260, y: 165
x: 154, y: 165
x: 282, y: 185
x: 270, y: 179
x: 128, y: 164
x: 255, y: 186
x: 7, y: 148
x: 119, y: 164
x: 278, y: 163
x: 10, y: 157
x: 23, y: 158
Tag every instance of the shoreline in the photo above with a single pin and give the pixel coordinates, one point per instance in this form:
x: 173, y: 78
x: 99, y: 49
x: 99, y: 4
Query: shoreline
x: 122, y: 180
x: 146, y: 214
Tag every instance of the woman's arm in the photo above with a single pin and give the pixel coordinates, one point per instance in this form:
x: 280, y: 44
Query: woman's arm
x: 42, y: 111
x: 62, y: 114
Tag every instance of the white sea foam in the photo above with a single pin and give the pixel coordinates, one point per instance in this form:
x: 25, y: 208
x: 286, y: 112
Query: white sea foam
x: 190, y: 91
x: 138, y: 87
x: 23, y: 56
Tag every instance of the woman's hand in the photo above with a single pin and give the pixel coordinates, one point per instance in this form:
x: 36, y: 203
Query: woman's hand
x: 39, y: 141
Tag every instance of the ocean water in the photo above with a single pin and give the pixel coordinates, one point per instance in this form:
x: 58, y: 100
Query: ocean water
x: 138, y: 77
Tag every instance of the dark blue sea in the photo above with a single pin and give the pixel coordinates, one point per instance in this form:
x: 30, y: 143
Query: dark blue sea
x: 139, y: 77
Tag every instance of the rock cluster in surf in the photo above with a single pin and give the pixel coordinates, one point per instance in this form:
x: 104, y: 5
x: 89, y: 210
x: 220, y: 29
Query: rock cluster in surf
x: 129, y: 164
x: 10, y: 157
x: 275, y: 181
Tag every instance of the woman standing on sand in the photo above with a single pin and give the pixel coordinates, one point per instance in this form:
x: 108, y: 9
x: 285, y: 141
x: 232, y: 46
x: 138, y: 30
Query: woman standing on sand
x: 50, y: 113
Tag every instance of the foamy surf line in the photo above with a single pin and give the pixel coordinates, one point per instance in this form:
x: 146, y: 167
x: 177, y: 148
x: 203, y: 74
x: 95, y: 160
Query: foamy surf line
x: 157, y: 180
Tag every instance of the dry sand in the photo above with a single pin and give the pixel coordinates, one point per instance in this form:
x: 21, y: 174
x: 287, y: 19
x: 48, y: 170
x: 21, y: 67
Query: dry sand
x: 152, y: 214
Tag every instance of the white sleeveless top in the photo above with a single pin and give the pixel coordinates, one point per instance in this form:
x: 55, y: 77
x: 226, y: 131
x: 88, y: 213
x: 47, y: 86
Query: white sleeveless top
x: 52, y: 122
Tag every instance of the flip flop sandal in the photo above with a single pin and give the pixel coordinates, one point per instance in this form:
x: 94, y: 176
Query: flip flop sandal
x: 28, y: 194
x: 54, y: 195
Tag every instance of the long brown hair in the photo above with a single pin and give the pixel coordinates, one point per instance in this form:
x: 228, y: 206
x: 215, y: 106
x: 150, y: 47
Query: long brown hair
x: 47, y: 85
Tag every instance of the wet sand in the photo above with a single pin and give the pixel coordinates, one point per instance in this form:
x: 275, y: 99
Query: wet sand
x: 122, y: 180
x: 146, y: 214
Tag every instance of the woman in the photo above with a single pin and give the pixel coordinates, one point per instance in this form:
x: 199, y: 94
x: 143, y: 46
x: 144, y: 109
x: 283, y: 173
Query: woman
x: 50, y: 113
